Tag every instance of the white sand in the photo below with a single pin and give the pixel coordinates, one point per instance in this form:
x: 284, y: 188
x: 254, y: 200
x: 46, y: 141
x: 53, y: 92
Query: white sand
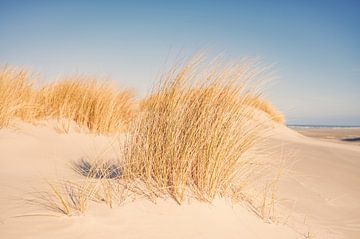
x: 320, y: 195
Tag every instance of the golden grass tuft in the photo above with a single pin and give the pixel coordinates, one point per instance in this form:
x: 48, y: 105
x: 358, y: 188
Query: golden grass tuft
x: 194, y: 135
x: 15, y: 95
x: 99, y: 106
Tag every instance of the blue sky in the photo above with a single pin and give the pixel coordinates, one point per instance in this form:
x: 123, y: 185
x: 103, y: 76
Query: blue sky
x: 314, y: 45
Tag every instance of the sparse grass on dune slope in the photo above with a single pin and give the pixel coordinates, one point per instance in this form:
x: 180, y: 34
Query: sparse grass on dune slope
x: 193, y: 137
x: 268, y: 108
x: 96, y: 105
x: 99, y: 106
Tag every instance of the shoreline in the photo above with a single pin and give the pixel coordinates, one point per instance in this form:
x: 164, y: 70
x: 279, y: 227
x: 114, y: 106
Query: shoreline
x: 310, y: 126
x: 350, y: 136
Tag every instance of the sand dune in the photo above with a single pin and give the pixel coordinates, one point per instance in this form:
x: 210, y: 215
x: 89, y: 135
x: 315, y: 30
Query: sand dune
x: 32, y: 154
x: 319, y: 197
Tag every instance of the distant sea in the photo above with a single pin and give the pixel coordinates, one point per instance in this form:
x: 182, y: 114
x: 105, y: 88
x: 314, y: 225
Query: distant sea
x: 309, y: 126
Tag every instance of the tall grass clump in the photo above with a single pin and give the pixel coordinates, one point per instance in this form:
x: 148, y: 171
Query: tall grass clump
x: 194, y: 136
x: 99, y: 106
x: 15, y: 95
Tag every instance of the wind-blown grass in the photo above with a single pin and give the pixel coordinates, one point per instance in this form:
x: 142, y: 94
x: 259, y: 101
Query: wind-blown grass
x: 194, y: 135
x: 15, y: 95
x: 252, y: 101
x: 98, y: 106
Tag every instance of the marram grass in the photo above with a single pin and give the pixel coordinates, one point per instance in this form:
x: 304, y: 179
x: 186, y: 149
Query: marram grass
x: 99, y: 106
x: 15, y: 95
x: 192, y: 137
x: 96, y: 105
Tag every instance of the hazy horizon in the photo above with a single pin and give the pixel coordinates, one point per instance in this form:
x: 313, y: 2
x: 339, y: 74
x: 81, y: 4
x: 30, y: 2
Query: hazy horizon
x: 314, y: 47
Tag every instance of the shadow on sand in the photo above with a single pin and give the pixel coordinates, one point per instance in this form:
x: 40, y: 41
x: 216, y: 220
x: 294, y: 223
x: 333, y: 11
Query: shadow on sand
x: 356, y: 139
x: 97, y: 170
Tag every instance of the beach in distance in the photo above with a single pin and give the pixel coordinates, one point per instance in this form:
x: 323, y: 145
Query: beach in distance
x: 340, y: 134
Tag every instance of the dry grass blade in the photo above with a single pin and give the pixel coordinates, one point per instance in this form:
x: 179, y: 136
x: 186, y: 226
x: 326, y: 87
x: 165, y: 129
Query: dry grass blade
x: 66, y: 197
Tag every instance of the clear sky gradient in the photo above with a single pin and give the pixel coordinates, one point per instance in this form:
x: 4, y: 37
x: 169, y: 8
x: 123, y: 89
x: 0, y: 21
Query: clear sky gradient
x: 315, y: 45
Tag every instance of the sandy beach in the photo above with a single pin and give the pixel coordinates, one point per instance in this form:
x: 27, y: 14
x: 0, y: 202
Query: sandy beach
x: 344, y: 135
x: 318, y: 196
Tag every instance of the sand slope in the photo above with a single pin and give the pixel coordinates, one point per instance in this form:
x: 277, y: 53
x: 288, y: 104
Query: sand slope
x: 322, y: 188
